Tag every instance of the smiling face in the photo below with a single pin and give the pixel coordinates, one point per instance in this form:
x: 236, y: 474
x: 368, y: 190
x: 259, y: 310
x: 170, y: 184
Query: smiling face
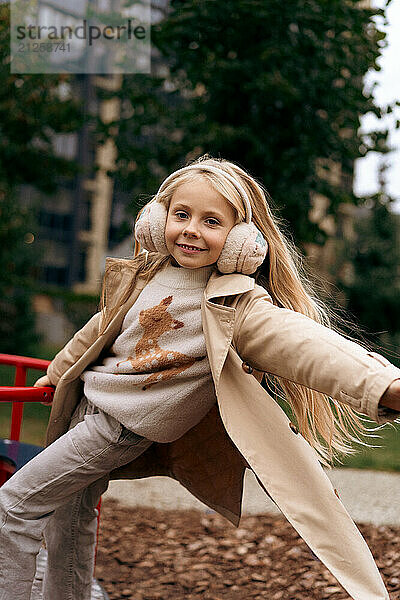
x: 198, y: 222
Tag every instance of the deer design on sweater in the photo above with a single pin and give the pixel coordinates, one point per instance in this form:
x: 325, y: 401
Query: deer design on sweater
x: 149, y: 355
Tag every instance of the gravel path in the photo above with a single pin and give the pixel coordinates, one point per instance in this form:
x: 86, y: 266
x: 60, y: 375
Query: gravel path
x: 369, y: 496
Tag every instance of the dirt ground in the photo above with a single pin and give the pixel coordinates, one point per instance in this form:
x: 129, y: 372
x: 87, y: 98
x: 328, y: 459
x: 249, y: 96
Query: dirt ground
x: 151, y: 554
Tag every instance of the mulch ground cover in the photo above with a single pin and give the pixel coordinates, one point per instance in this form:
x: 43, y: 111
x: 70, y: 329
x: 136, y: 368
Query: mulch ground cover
x: 151, y: 554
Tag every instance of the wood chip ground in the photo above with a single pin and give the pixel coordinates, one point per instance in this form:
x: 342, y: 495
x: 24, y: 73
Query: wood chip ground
x: 150, y: 554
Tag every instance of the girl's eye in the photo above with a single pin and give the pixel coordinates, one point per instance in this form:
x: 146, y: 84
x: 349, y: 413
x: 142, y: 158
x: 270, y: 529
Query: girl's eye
x: 182, y: 215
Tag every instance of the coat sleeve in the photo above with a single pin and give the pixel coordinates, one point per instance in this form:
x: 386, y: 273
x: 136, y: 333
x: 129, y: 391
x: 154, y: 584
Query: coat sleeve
x: 74, y: 349
x: 290, y: 345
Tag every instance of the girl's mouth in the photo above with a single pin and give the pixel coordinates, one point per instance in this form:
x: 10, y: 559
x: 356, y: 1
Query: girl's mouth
x: 190, y: 249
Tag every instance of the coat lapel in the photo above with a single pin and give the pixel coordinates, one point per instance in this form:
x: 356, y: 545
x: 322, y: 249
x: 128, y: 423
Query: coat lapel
x: 219, y: 318
x: 227, y: 285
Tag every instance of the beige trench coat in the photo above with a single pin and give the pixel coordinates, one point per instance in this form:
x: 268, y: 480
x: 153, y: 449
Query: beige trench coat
x: 246, y: 427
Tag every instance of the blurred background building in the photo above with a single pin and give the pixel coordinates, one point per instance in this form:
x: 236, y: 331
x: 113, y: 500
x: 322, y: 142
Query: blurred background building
x: 77, y: 225
x: 80, y: 225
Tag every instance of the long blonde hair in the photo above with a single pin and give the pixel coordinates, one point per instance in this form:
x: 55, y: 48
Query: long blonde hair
x: 329, y: 425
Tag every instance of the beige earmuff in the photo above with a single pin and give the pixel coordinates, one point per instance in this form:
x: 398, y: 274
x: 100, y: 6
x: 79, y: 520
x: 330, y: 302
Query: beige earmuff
x: 245, y: 247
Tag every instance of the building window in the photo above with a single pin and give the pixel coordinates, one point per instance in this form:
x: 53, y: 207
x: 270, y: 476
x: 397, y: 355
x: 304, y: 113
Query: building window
x: 65, y: 145
x: 81, y: 275
x: 54, y: 275
x: 55, y: 226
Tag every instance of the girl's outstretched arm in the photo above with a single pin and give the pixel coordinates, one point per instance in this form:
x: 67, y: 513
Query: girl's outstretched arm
x: 290, y: 345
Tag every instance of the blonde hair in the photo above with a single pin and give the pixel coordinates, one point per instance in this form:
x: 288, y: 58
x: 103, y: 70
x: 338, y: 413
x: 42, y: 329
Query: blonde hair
x: 326, y: 423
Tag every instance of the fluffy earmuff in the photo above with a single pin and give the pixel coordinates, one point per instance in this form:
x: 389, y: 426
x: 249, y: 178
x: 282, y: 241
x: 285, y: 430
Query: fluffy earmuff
x: 244, y: 250
x: 150, y: 228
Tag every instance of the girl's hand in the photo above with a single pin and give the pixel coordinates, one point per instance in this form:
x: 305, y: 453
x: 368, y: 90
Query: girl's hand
x: 44, y: 382
x: 391, y: 398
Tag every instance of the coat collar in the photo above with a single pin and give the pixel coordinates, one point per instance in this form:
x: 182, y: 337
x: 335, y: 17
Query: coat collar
x: 227, y: 285
x: 217, y: 285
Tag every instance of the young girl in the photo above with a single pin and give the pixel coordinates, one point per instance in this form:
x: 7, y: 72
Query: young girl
x: 165, y: 380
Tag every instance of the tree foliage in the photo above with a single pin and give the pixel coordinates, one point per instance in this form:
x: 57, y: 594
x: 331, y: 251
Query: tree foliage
x: 272, y: 86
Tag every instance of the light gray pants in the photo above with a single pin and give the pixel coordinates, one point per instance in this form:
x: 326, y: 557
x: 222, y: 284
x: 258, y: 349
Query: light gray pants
x: 55, y: 495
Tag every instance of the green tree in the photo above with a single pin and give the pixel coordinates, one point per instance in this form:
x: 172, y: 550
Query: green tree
x: 273, y: 86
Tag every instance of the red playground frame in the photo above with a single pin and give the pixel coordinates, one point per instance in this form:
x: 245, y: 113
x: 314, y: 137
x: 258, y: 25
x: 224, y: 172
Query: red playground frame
x: 14, y: 453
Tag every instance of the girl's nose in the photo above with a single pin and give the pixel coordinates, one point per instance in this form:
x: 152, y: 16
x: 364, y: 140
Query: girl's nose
x: 191, y: 231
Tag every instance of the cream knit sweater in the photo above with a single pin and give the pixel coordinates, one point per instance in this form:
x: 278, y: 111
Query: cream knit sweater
x: 156, y: 379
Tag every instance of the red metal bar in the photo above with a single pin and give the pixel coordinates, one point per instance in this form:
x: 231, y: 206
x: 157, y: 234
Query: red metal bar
x: 26, y: 394
x: 21, y: 364
x: 18, y: 409
x: 30, y: 363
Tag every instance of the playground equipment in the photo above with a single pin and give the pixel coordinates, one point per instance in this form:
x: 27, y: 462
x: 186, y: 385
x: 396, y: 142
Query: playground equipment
x: 14, y: 453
